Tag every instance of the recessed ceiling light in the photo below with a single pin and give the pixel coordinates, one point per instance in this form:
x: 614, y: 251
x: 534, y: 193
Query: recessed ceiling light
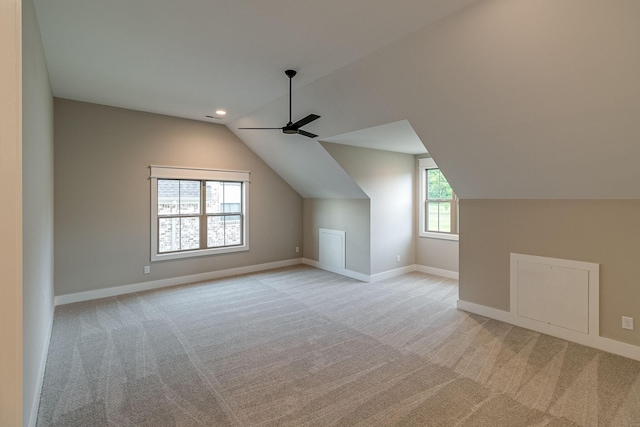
x: 221, y: 112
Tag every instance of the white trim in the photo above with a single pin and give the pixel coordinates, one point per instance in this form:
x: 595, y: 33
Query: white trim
x: 594, y: 285
x: 427, y: 163
x: 449, y: 274
x: 155, y: 256
x: 393, y: 273
x: 598, y: 342
x: 174, y: 281
x: 196, y: 252
x: 342, y: 271
x: 424, y: 164
x: 436, y: 235
x: 33, y: 414
x: 199, y: 174
x: 385, y: 274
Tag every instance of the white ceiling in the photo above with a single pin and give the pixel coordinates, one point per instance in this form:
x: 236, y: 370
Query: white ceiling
x: 188, y: 58
x: 398, y: 137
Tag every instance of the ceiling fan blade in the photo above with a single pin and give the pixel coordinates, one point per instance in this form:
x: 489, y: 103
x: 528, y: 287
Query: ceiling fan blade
x: 307, y: 134
x: 261, y: 128
x: 306, y: 120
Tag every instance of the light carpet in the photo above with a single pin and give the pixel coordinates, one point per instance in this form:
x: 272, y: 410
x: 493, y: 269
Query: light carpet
x: 301, y: 346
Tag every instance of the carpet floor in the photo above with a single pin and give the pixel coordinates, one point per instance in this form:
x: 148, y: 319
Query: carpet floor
x: 304, y: 347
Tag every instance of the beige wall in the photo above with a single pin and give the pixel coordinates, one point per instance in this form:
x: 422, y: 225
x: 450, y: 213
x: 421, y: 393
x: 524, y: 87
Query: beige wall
x: 11, y: 224
x: 389, y: 180
x: 606, y: 232
x: 437, y: 253
x: 37, y: 203
x: 102, y: 195
x: 348, y: 215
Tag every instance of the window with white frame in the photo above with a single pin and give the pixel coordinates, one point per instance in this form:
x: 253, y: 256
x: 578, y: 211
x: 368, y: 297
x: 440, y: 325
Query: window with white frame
x: 438, y: 203
x: 197, y: 212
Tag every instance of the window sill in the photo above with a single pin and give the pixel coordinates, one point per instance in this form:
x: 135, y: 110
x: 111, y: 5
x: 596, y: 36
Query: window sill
x: 197, y: 253
x: 440, y: 236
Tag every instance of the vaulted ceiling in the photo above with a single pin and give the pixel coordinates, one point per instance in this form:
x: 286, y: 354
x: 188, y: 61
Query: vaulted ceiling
x: 514, y: 99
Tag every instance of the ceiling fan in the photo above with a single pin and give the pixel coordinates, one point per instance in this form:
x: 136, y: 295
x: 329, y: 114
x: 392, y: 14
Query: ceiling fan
x: 293, y: 128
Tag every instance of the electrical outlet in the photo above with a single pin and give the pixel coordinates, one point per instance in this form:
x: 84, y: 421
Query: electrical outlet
x: 297, y: 249
x: 147, y: 269
x: 627, y: 322
x: 397, y: 258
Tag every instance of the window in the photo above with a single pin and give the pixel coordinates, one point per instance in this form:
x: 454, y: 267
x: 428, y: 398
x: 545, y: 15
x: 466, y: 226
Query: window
x: 438, y: 203
x: 197, y: 212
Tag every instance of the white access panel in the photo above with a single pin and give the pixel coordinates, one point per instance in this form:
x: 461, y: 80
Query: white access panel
x: 555, y: 295
x: 332, y: 251
x: 556, y: 292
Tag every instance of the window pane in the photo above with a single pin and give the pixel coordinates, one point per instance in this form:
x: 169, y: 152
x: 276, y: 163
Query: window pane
x: 214, y: 196
x: 432, y: 216
x: 232, y: 235
x: 175, y: 234
x: 168, y: 234
x: 445, y: 189
x: 444, y: 211
x: 189, y: 233
x: 437, y: 186
x: 433, y: 184
x: 189, y: 197
x: 215, y: 231
x: 168, y: 196
x: 232, y: 197
x: 224, y: 230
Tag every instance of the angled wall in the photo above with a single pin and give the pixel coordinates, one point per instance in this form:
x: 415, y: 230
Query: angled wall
x: 512, y: 99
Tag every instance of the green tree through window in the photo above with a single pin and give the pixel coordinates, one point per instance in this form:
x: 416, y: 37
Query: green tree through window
x: 440, y: 203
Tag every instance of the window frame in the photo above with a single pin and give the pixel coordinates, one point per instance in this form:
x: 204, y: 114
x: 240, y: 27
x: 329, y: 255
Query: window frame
x: 424, y: 164
x: 202, y: 175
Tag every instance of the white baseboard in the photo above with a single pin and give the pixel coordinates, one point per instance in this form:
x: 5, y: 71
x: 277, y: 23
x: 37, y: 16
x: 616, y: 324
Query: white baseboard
x: 33, y: 413
x: 385, y: 274
x: 598, y: 342
x: 344, y: 272
x: 438, y: 272
x: 174, y: 281
x: 393, y: 273
x: 163, y: 283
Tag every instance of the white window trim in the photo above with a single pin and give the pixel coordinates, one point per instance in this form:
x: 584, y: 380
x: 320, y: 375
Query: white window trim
x: 167, y: 172
x: 423, y: 165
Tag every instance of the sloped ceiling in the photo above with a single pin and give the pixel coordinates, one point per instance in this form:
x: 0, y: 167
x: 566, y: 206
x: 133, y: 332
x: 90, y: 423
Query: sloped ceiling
x: 526, y: 99
x: 187, y: 58
x: 513, y: 99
